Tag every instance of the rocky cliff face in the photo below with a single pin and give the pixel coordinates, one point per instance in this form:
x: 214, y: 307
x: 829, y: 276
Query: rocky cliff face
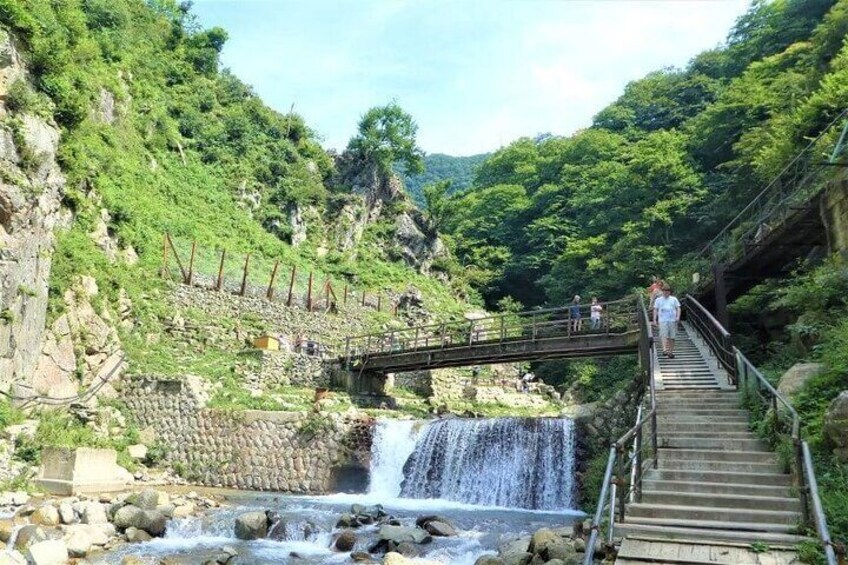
x: 31, y: 185
x: 376, y: 197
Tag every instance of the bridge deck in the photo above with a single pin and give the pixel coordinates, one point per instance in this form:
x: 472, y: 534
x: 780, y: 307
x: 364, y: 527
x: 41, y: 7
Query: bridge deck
x: 496, y: 351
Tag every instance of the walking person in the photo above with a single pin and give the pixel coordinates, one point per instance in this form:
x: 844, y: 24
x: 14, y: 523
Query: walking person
x: 595, y: 311
x: 667, y: 315
x: 575, y: 315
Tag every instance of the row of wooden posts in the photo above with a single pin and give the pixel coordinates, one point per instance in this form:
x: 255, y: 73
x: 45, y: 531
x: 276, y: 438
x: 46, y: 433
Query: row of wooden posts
x: 326, y: 289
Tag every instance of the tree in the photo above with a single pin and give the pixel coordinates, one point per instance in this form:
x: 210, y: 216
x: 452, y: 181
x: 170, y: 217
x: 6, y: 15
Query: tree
x: 387, y: 136
x: 437, y: 202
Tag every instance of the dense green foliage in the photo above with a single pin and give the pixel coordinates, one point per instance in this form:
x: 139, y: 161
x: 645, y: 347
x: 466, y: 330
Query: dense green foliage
x: 661, y: 169
x: 437, y: 168
x: 386, y: 137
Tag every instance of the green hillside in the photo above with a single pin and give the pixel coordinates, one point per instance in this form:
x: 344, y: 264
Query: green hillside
x: 438, y: 167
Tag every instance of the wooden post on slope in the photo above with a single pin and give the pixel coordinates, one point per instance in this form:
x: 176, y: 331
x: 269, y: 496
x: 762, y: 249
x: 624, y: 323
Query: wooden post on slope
x: 191, y: 262
x: 291, y: 286
x: 177, y: 257
x: 165, y: 272
x: 345, y: 294
x: 220, y: 282
x: 244, y: 276
x: 363, y: 297
x: 309, y: 293
x: 270, y: 293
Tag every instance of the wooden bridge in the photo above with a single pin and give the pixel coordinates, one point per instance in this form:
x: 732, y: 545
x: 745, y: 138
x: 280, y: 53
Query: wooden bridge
x: 787, y: 221
x: 535, y: 335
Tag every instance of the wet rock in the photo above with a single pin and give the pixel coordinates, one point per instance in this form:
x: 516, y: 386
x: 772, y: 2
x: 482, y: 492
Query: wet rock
x: 48, y: 552
x: 347, y: 521
x: 132, y: 560
x: 7, y: 527
x: 517, y: 558
x: 251, y: 526
x: 361, y: 557
x: 407, y: 549
x: 29, y: 535
x: 346, y: 541
x: 489, y: 560
x: 277, y: 527
x: 135, y: 535
x: 128, y: 516
x: 436, y: 525
x: 400, y: 534
x: 154, y: 523
x: 184, y: 510
x: 398, y: 559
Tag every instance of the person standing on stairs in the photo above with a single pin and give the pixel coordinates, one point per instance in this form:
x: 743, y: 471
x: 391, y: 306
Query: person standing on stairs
x: 667, y: 315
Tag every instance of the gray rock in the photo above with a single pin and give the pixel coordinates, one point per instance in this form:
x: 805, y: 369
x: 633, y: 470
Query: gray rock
x: 135, y: 535
x: 128, y: 516
x: 66, y: 513
x: 94, y: 513
x: 836, y: 425
x: 29, y: 535
x: 400, y: 534
x: 794, y: 379
x: 148, y: 499
x: 48, y: 552
x: 251, y: 526
x: 440, y: 529
x: 154, y: 523
x: 517, y: 558
x: 549, y: 545
x: 489, y: 560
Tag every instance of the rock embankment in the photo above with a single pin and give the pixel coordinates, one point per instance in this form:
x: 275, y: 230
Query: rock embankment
x: 56, y: 531
x: 548, y: 546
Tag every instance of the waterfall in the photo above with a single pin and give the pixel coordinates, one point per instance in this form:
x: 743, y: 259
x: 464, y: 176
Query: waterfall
x: 511, y: 462
x: 393, y: 443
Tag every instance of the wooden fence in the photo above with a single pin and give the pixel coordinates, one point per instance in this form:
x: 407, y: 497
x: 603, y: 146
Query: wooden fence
x: 252, y: 275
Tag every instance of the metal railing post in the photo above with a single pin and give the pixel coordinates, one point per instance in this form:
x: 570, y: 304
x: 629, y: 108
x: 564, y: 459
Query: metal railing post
x: 622, y: 483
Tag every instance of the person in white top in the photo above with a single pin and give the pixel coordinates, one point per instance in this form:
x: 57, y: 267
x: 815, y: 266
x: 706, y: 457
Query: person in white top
x: 667, y: 315
x: 595, y: 314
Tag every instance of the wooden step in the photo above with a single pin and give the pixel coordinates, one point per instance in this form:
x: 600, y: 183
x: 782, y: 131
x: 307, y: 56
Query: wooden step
x: 689, y: 529
x: 638, y: 549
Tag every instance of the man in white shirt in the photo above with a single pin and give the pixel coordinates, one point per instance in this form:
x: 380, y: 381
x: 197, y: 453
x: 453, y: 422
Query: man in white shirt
x: 667, y: 315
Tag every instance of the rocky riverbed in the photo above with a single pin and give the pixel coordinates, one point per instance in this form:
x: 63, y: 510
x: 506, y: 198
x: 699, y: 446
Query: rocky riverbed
x: 265, y: 529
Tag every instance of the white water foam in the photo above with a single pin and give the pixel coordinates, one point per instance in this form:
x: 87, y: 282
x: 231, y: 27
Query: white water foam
x: 393, y: 443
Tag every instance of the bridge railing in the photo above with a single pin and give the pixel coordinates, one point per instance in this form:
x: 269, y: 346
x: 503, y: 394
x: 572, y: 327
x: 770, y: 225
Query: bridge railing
x: 794, y: 185
x: 617, y: 316
x: 632, y: 455
x: 780, y: 418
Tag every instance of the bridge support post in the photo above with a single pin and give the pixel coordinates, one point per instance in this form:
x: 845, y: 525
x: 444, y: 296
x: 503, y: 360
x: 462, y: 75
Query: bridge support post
x: 721, y: 313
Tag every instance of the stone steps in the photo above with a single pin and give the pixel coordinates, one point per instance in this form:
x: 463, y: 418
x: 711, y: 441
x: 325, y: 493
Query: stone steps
x: 718, y: 455
x: 692, y: 530
x: 715, y: 487
x: 714, y: 443
x: 731, y: 477
x: 730, y: 517
x: 673, y: 427
x: 727, y: 466
x: 720, y: 500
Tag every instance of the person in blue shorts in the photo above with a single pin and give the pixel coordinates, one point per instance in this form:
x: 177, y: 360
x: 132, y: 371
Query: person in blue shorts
x: 575, y: 315
x: 667, y: 315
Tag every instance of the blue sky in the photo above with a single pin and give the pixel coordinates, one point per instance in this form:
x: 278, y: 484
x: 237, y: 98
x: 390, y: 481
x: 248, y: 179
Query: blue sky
x: 474, y: 74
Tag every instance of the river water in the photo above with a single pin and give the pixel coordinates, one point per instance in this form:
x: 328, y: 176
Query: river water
x: 493, y: 478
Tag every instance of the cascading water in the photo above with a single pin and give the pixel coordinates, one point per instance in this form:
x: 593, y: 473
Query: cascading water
x: 393, y: 443
x: 508, y: 462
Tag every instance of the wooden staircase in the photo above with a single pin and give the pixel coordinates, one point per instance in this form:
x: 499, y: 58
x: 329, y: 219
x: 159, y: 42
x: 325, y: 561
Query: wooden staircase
x: 718, y: 494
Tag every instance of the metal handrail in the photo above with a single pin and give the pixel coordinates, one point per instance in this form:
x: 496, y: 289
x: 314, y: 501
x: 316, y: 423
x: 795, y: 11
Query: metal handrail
x: 775, y: 182
x: 803, y: 471
x: 718, y: 339
x: 616, y: 487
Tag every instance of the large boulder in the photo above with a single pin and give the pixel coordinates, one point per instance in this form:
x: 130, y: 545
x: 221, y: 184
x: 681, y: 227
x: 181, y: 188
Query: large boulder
x: 148, y: 499
x: 549, y: 545
x: 794, y: 379
x: 128, y: 516
x: 436, y: 525
x: 400, y: 534
x: 251, y: 526
x: 94, y: 513
x: 489, y: 560
x: 48, y: 552
x: 46, y: 515
x: 394, y: 558
x: 836, y: 425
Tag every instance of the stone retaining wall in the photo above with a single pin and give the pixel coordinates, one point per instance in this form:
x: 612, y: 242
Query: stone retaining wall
x: 283, y: 451
x: 282, y: 368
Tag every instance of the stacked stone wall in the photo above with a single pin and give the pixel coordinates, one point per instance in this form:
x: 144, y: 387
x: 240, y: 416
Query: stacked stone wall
x: 282, y: 451
x: 283, y: 368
